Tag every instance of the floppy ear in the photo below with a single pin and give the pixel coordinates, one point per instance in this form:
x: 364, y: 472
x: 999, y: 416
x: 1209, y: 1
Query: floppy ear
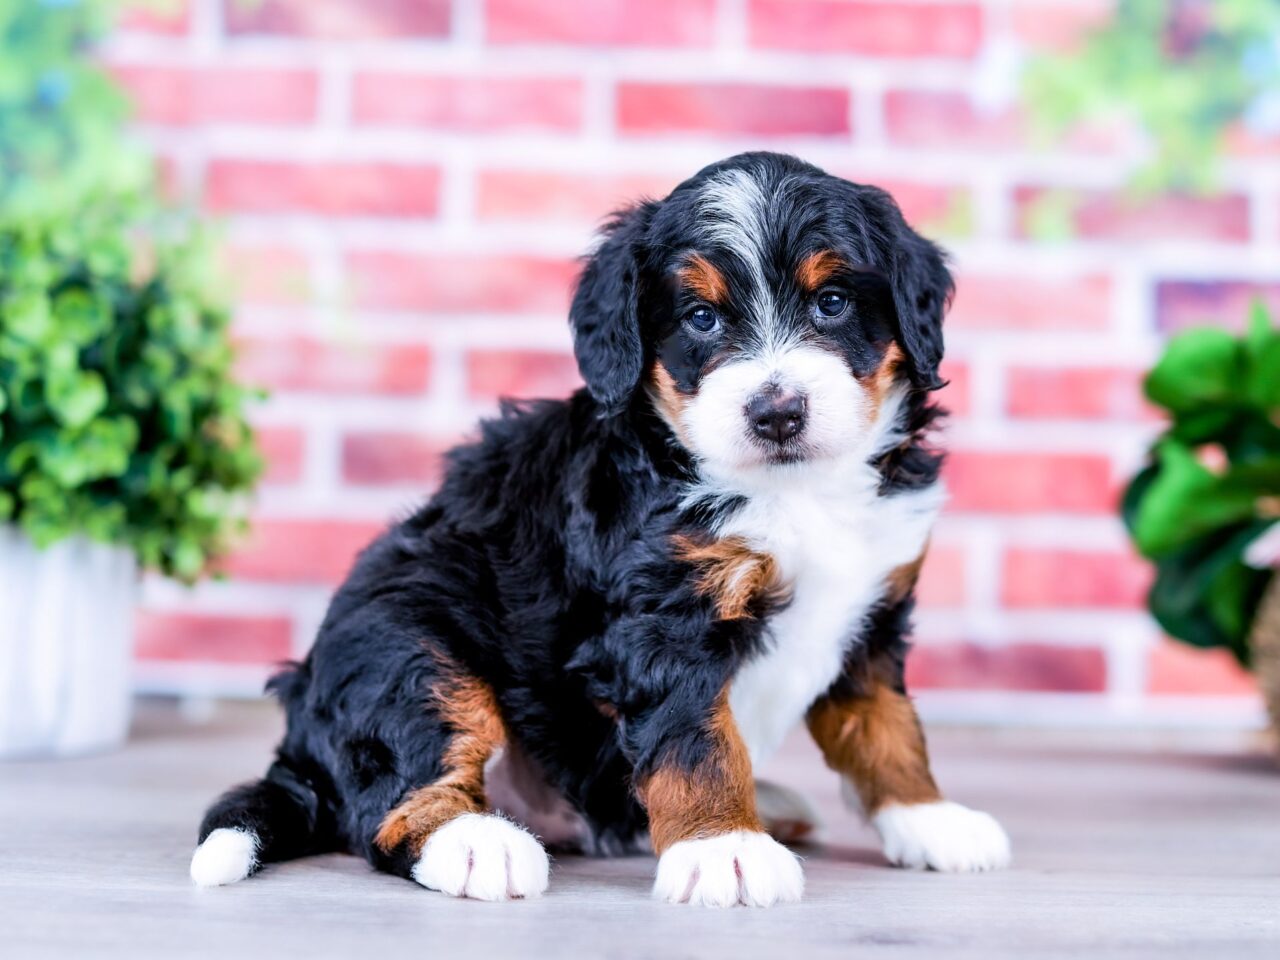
x: 605, y: 314
x: 922, y: 288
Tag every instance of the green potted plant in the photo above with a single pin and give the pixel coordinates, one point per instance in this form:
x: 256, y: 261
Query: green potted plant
x: 1205, y: 509
x: 123, y: 441
x: 1188, y: 75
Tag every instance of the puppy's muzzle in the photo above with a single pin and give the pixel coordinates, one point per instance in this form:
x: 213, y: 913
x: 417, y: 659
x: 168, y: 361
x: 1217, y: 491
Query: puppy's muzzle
x: 776, y: 415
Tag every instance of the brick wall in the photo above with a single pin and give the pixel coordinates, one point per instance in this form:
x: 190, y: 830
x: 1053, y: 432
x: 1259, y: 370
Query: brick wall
x: 406, y: 184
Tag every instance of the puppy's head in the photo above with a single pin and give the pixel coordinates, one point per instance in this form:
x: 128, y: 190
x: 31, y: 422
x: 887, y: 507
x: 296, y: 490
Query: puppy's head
x: 770, y: 312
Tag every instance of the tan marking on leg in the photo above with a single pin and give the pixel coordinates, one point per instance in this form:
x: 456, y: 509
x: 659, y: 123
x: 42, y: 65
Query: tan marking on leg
x: 716, y: 797
x: 467, y: 704
x: 876, y: 741
x: 734, y: 575
x: 703, y: 279
x: 817, y: 268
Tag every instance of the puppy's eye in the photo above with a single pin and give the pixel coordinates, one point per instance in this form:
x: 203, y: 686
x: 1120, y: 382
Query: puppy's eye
x: 703, y: 319
x: 832, y: 304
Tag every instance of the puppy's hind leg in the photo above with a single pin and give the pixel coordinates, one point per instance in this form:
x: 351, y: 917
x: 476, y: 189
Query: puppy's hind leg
x: 273, y: 819
x: 442, y: 834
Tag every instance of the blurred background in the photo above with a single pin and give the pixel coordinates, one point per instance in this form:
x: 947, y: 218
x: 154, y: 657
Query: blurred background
x: 403, y: 188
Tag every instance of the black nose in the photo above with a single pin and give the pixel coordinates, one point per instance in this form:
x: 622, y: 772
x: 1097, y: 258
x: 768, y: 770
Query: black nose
x: 776, y: 415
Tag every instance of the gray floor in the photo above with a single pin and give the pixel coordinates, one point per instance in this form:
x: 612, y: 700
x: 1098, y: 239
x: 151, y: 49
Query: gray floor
x: 1122, y: 850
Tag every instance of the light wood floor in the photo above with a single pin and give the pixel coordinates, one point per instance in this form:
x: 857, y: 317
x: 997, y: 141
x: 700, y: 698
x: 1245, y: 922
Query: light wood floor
x: 1122, y: 850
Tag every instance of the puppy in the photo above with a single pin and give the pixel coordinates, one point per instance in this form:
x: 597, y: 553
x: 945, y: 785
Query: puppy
x: 618, y: 604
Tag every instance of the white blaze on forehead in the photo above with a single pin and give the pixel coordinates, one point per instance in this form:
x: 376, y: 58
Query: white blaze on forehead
x: 733, y: 210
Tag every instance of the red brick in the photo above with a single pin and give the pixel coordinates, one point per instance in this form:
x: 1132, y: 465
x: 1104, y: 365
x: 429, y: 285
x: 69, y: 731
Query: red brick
x: 388, y: 457
x: 1218, y: 303
x: 521, y: 373
x: 1240, y: 141
x: 1099, y: 215
x: 1077, y: 393
x: 547, y: 195
x: 1020, y: 302
x: 928, y: 206
x: 943, y: 578
x: 879, y: 29
x: 171, y: 18
x: 1019, y: 666
x: 946, y: 118
x: 339, y: 19
x: 282, y: 447
x: 1059, y: 27
x: 181, y: 96
x: 277, y: 276
x: 1178, y: 669
x: 331, y: 188
x: 212, y: 638
x: 653, y: 23
x: 733, y: 109
x: 463, y: 283
x: 955, y: 397
x: 990, y: 482
x: 305, y: 364
x: 300, y: 551
x: 472, y: 104
x: 1036, y: 577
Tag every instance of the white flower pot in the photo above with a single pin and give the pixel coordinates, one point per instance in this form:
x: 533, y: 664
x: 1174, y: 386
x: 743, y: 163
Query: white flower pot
x: 66, y: 636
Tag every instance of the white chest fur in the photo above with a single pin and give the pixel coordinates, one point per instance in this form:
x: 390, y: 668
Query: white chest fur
x: 835, y: 542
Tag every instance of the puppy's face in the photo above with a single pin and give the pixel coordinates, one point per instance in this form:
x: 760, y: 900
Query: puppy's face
x: 769, y: 301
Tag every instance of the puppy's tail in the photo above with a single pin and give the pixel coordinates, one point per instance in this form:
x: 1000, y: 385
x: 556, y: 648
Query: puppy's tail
x: 276, y: 818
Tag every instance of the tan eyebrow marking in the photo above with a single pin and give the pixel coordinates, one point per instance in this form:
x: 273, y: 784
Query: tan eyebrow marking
x: 817, y: 268
x: 701, y: 276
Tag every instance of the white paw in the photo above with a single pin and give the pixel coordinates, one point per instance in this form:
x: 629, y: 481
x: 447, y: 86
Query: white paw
x: 742, y: 867
x: 941, y: 836
x: 786, y: 815
x: 227, y: 855
x: 483, y: 857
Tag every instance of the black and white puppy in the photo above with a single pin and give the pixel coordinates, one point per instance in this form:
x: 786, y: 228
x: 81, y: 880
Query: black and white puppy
x: 620, y: 603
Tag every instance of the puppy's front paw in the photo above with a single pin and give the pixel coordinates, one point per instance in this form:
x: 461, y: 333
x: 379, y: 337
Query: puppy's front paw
x: 483, y: 857
x: 741, y: 867
x: 941, y: 836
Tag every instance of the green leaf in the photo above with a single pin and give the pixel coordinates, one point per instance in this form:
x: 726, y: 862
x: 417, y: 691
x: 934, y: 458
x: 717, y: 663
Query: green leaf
x: 77, y: 398
x: 1200, y: 368
x: 1259, y: 332
x: 81, y: 315
x: 1204, y: 595
x: 26, y: 316
x: 188, y: 560
x: 1264, y: 382
x: 1262, y: 343
x: 1183, y: 501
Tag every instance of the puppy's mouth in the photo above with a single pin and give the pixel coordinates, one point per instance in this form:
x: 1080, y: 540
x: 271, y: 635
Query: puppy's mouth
x: 788, y: 455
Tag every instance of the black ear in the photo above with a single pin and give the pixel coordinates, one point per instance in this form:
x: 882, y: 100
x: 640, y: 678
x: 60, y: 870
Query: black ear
x: 605, y: 314
x: 922, y: 288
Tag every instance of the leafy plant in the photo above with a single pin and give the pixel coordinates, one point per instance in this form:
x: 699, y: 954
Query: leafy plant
x: 119, y: 415
x: 1213, y: 485
x: 1184, y: 71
